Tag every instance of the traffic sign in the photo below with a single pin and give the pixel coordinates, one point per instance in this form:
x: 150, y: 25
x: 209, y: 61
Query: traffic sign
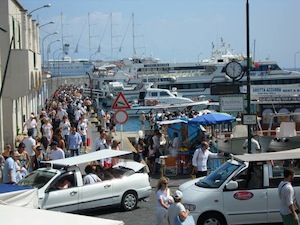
x: 120, y: 102
x: 121, y: 117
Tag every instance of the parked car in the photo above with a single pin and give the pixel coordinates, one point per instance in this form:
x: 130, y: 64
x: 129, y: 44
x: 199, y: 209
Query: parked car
x: 128, y: 182
x: 242, y: 190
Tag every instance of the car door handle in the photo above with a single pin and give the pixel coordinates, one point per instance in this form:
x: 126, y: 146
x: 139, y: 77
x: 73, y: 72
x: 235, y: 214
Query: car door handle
x: 73, y: 193
x: 107, y: 186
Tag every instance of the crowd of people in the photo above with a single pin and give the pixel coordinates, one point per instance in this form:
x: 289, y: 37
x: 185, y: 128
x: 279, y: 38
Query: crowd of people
x: 59, y: 131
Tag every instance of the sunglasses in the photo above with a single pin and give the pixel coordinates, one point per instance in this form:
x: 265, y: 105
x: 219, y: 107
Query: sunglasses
x: 165, y: 183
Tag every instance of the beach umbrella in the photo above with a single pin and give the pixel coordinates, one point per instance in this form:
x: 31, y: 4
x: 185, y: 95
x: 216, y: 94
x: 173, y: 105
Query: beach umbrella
x: 213, y: 118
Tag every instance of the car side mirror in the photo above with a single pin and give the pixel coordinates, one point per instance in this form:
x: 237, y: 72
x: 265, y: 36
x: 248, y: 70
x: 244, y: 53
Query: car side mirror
x: 231, y: 185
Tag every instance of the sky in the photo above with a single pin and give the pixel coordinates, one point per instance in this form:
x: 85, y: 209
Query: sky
x: 171, y: 30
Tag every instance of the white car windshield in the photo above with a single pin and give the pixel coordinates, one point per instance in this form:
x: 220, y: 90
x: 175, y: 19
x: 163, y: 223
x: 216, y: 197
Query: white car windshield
x: 216, y: 178
x: 36, y: 179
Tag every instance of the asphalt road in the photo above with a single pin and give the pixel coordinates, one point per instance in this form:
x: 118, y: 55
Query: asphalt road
x: 144, y: 214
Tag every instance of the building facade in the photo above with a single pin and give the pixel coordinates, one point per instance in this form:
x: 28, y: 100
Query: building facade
x: 21, y: 75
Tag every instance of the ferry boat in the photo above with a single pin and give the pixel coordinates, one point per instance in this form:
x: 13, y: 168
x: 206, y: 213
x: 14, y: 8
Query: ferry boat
x: 66, y: 66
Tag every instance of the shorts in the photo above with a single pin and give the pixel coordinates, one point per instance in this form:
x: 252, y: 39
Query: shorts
x: 289, y: 220
x: 83, y: 137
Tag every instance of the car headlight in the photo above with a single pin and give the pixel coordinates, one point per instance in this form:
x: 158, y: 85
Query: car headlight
x: 190, y: 207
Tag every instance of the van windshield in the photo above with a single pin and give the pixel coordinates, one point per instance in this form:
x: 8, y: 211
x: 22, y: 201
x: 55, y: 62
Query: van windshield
x: 216, y: 178
x: 37, y: 179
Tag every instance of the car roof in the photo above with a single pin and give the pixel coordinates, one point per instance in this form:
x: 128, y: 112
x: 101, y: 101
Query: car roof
x: 280, y: 155
x: 89, y: 157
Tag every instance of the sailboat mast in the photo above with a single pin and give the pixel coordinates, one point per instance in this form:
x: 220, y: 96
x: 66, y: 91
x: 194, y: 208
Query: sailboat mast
x: 89, y: 35
x: 133, y: 36
x: 62, y: 31
x: 111, y: 37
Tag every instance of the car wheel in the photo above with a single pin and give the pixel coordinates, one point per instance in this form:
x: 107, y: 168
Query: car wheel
x: 212, y: 219
x: 129, y: 201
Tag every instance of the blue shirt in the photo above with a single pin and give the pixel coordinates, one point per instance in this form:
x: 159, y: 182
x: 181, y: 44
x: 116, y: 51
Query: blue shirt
x: 73, y: 141
x: 9, y: 165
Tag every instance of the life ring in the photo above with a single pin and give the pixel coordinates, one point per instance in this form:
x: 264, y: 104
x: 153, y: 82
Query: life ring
x: 149, y: 102
x: 155, y: 102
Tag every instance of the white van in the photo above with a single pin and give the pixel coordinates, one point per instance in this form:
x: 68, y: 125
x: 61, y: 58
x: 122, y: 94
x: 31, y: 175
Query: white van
x: 243, y: 190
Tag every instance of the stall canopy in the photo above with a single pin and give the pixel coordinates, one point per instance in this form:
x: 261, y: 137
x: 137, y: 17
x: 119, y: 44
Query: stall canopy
x: 186, y: 132
x: 212, y: 118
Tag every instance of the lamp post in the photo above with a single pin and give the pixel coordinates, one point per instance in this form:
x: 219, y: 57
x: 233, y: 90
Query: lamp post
x: 48, y: 49
x: 248, y: 73
x: 43, y: 58
x: 295, y: 61
x: 44, y: 6
x: 51, y: 22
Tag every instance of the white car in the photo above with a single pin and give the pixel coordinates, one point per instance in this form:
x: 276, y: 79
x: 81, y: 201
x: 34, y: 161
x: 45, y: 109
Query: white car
x: 242, y: 190
x: 128, y: 184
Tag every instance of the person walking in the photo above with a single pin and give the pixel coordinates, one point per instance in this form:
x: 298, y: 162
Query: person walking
x: 163, y: 200
x: 56, y: 153
x: 30, y: 144
x: 10, y: 168
x: 177, y: 211
x: 201, y: 157
x: 288, y: 202
x: 74, y: 141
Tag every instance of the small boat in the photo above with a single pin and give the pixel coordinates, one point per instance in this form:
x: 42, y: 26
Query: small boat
x: 136, y: 109
x: 233, y: 142
x: 285, y: 136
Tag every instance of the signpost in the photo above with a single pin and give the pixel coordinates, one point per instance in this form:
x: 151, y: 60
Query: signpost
x: 121, y: 116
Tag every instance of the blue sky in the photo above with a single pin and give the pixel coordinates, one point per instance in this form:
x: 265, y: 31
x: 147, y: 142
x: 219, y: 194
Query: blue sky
x: 172, y: 30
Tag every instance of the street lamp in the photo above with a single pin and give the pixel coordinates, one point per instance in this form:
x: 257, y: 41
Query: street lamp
x: 295, y: 59
x: 43, y: 58
x: 44, y: 6
x: 48, y: 48
x: 51, y: 22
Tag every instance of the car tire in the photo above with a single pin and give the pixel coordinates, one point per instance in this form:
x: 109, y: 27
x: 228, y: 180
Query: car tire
x: 212, y: 218
x: 129, y: 201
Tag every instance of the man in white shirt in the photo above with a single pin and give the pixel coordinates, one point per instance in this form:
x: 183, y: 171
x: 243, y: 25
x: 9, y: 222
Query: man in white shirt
x: 90, y: 177
x: 31, y: 124
x: 255, y: 146
x: 30, y: 145
x: 177, y: 209
x: 56, y: 152
x: 201, y: 157
x: 175, y: 145
x: 287, y: 197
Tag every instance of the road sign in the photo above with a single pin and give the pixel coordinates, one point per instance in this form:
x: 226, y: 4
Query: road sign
x: 121, y: 117
x: 120, y: 102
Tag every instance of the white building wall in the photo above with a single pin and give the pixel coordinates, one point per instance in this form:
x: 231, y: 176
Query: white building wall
x: 24, y: 76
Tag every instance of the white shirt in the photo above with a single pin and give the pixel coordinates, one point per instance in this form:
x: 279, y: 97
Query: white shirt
x: 287, y: 197
x: 200, y: 159
x: 57, y: 154
x: 65, y: 127
x: 165, y: 197
x: 175, y: 146
x: 99, y: 144
x: 31, y: 123
x: 174, y: 210
x: 91, y: 179
x: 254, y: 145
x: 29, y: 144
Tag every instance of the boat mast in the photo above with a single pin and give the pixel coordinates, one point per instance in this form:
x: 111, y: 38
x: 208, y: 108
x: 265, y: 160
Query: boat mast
x: 133, y: 36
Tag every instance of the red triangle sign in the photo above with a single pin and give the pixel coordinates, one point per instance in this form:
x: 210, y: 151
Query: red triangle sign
x: 120, y: 102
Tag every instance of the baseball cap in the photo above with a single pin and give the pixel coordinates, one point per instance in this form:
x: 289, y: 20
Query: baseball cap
x: 177, y: 194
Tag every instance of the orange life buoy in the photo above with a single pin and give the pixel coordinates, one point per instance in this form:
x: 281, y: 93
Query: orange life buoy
x: 148, y: 102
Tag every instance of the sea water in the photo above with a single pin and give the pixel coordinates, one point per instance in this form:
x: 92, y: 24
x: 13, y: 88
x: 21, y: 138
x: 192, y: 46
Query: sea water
x: 133, y: 124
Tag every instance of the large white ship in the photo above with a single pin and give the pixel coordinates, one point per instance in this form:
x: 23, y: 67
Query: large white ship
x: 66, y: 66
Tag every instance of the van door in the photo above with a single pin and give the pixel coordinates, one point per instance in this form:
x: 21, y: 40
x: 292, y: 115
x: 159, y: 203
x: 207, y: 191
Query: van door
x: 249, y: 201
x: 62, y: 196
